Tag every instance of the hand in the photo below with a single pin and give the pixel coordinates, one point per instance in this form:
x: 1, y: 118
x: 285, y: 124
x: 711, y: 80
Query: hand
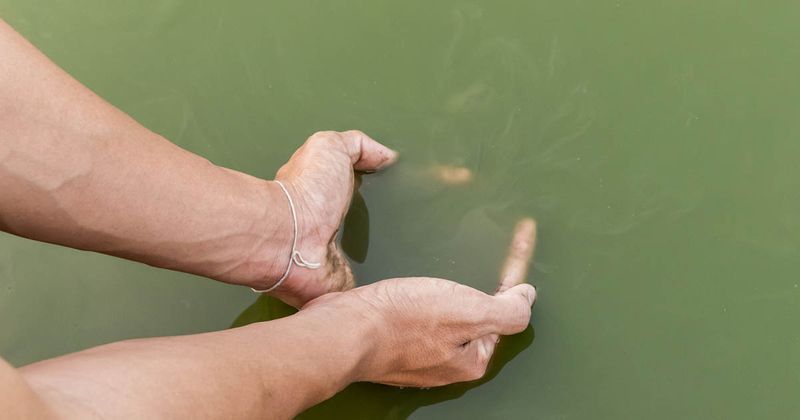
x: 430, y: 332
x: 319, y: 177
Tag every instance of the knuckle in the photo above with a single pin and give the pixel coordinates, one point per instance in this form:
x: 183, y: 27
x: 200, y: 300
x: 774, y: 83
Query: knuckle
x: 324, y: 134
x: 356, y: 133
x: 323, y: 137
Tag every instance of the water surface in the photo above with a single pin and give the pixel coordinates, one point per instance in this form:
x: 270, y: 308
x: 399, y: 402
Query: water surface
x: 655, y: 142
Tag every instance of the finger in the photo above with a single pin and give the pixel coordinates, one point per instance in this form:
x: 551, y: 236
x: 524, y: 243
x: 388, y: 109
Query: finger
x: 520, y: 252
x: 476, y: 356
x: 509, y: 311
x: 488, y: 345
x: 365, y: 153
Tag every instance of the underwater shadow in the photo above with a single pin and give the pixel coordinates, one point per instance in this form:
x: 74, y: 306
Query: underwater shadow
x: 355, y: 229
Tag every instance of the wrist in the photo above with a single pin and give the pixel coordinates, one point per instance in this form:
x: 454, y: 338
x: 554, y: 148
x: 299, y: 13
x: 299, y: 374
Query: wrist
x: 320, y: 350
x: 274, y: 251
x: 302, y: 269
x: 264, y: 257
x: 351, y: 331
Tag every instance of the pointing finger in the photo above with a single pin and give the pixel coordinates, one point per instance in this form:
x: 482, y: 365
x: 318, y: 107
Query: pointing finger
x: 510, y: 310
x: 520, y: 252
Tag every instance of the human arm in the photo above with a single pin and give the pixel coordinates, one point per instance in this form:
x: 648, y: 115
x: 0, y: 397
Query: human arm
x: 279, y: 368
x: 76, y: 171
x: 266, y: 370
x: 412, y: 332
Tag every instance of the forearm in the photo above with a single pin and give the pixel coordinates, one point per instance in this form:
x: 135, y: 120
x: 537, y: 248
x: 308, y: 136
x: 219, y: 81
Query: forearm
x: 17, y: 399
x: 76, y: 171
x: 268, y: 370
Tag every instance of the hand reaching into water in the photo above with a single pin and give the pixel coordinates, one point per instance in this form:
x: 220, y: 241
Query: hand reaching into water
x: 431, y: 332
x: 76, y: 171
x: 418, y: 332
x: 320, y: 179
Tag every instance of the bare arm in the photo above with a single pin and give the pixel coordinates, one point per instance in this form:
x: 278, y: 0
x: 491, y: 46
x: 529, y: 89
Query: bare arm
x: 267, y: 370
x: 76, y: 171
x: 17, y: 399
x: 411, y: 332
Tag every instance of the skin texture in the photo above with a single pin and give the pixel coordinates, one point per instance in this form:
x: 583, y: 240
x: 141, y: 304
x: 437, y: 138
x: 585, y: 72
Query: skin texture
x: 76, y: 171
x: 454, y: 341
x: 411, y: 332
x: 320, y: 178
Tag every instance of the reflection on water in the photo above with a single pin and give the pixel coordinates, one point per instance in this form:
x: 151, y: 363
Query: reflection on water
x: 373, y: 401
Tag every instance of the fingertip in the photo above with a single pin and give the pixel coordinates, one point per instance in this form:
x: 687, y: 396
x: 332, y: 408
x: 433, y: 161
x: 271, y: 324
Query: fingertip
x: 525, y: 291
x: 512, y: 309
x: 390, y: 157
x: 377, y: 162
x: 527, y: 225
x: 530, y: 293
x: 368, y: 154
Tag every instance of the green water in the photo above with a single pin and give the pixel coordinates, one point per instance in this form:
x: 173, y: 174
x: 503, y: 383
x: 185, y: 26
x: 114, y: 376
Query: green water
x: 655, y: 142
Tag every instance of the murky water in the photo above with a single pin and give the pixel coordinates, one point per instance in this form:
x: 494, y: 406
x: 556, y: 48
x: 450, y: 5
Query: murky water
x: 655, y: 142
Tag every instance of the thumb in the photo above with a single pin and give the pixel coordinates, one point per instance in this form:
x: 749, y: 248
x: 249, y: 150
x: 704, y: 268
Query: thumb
x: 365, y: 153
x: 511, y: 309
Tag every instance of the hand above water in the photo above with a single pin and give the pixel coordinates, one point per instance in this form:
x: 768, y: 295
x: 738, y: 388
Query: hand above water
x: 419, y: 332
x: 320, y: 179
x: 78, y: 172
x: 430, y: 332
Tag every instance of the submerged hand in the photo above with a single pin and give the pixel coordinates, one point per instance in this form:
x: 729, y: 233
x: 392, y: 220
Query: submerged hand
x: 319, y: 177
x: 430, y: 332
